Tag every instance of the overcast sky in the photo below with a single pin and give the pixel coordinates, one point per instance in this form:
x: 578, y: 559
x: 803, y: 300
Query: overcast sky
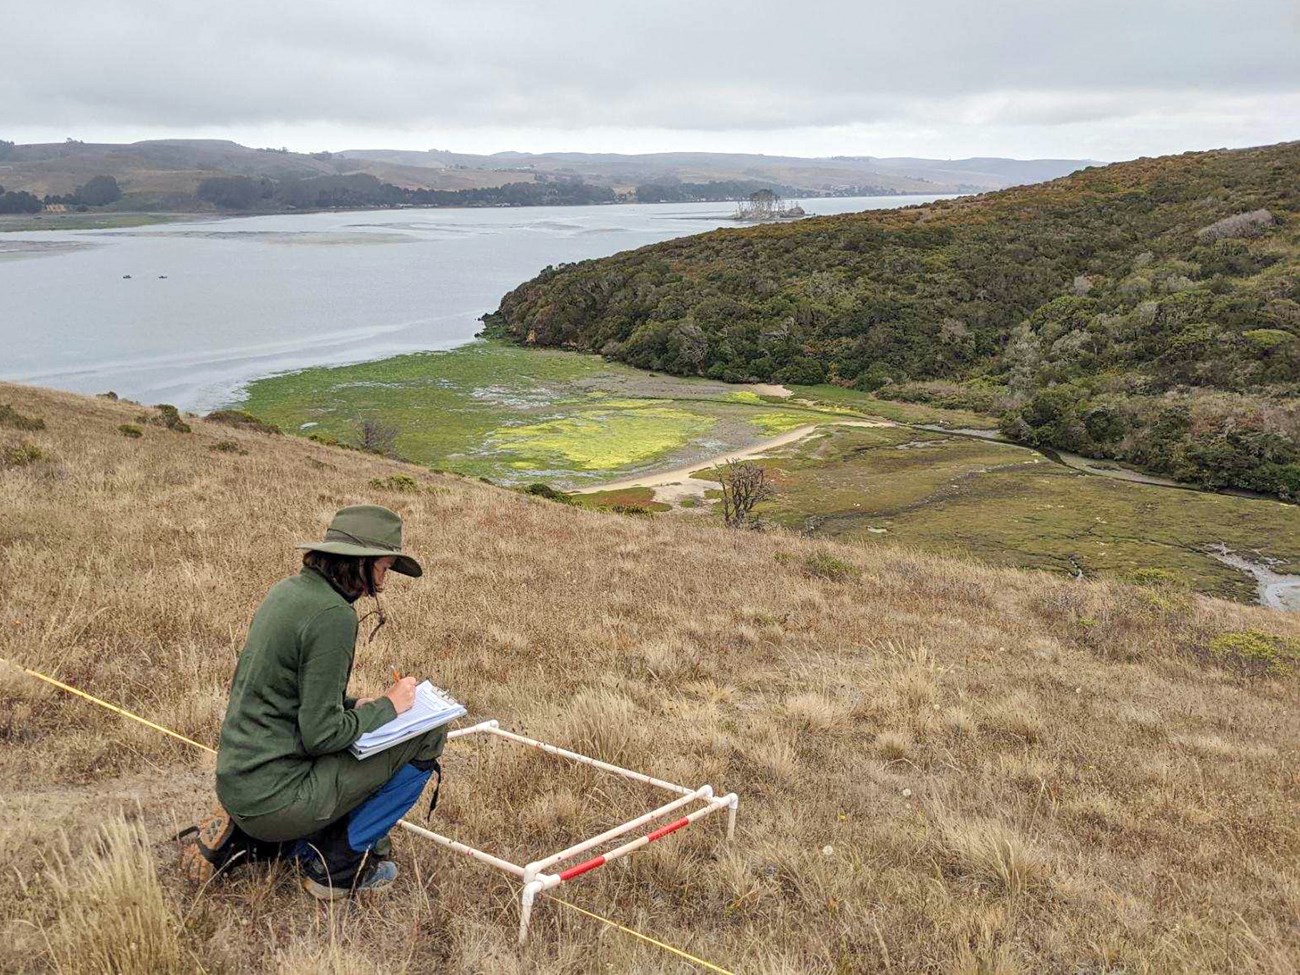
x: 1101, y: 79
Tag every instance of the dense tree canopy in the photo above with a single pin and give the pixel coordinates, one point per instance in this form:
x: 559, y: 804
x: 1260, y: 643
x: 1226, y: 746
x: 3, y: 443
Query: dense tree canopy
x: 18, y: 201
x: 365, y: 190
x: 99, y: 191
x: 1147, y: 311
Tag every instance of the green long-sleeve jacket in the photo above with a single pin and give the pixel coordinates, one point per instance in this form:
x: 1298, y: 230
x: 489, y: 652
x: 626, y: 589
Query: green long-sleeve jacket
x: 287, y: 701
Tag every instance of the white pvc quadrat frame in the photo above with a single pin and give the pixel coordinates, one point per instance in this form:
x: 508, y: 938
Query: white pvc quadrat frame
x: 534, y: 875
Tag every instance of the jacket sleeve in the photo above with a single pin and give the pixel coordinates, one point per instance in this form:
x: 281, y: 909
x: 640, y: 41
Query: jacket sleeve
x: 324, y: 663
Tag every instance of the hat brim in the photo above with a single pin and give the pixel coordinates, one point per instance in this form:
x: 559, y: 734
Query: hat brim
x: 404, y: 564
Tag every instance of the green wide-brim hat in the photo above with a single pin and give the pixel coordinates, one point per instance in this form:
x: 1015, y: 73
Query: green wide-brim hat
x: 367, y: 530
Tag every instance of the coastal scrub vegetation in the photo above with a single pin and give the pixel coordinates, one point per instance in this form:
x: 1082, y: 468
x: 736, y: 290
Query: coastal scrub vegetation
x: 1147, y: 311
x: 942, y: 766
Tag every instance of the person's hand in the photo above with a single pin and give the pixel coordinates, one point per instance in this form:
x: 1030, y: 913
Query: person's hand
x: 402, y: 694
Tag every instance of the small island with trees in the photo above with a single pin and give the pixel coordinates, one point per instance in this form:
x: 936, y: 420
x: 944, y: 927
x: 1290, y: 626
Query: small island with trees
x: 765, y: 206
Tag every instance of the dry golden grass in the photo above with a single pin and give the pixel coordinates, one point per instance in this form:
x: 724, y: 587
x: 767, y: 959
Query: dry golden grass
x: 943, y: 767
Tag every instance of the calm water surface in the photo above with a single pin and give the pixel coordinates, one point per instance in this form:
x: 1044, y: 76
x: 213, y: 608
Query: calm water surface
x: 210, y: 305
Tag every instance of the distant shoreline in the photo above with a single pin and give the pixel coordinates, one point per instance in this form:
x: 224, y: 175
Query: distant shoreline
x: 123, y: 219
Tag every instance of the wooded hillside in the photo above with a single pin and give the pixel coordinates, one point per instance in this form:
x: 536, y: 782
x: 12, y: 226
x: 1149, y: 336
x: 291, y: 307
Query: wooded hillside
x: 1146, y: 311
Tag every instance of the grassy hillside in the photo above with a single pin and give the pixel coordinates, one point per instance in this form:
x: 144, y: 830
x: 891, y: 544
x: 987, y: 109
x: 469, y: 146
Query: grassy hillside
x: 1147, y: 311
x: 943, y: 767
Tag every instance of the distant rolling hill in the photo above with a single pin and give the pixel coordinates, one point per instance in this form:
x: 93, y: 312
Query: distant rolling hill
x: 169, y: 174
x: 165, y: 173
x: 832, y: 175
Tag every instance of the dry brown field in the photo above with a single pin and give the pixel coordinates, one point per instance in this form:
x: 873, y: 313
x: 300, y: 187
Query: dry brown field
x: 943, y: 767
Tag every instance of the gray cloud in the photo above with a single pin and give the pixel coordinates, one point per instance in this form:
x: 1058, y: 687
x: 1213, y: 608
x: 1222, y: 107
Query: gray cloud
x: 1027, y: 66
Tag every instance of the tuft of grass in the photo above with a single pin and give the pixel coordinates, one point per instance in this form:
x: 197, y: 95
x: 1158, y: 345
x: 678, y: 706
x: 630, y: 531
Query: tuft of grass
x: 894, y: 746
x: 815, y: 711
x: 823, y: 565
x: 960, y: 721
x: 397, y: 483
x: 165, y: 415
x: 227, y: 447
x: 1017, y: 717
x: 1256, y: 651
x: 20, y: 454
x: 113, y: 915
x: 991, y: 854
x: 130, y: 430
x: 9, y: 417
x: 242, y: 421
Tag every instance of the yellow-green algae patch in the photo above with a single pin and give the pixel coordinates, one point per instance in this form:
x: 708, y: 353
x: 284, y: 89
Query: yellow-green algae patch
x: 776, y: 422
x: 598, y: 440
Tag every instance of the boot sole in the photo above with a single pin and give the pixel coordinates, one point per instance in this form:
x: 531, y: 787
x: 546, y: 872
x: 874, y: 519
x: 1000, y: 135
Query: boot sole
x: 213, y: 832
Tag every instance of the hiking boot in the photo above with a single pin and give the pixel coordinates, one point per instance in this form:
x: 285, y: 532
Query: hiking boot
x: 378, y: 875
x: 206, y: 847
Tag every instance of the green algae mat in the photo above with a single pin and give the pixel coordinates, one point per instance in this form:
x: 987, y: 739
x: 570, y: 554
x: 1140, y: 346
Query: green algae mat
x: 516, y: 415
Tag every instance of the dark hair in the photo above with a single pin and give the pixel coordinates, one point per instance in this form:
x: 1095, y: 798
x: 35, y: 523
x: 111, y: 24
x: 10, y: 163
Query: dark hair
x: 347, y: 573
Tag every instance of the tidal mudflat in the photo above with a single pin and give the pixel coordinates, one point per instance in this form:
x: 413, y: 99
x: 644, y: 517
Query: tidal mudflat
x: 516, y: 415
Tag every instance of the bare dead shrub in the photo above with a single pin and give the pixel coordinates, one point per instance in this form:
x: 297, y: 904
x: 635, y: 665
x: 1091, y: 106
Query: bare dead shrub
x: 376, y: 437
x: 744, y: 486
x: 1250, y: 224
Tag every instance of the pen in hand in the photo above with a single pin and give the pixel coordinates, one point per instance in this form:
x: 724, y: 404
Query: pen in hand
x: 402, y: 693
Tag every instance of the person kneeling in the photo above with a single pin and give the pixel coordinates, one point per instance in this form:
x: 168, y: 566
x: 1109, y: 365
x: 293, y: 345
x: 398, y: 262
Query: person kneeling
x: 286, y: 782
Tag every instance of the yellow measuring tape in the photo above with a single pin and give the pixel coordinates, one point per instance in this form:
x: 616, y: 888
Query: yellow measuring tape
x: 644, y: 937
x: 104, y: 704
x: 190, y: 741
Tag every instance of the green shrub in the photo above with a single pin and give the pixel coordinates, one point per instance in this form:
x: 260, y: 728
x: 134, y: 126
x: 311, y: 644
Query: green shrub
x: 1256, y: 651
x: 540, y: 490
x: 9, y: 417
x: 1155, y: 577
x: 130, y: 430
x: 167, y: 416
x: 227, y: 447
x: 20, y: 455
x: 242, y: 421
x: 400, y: 483
x: 1267, y: 338
x: 823, y: 565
